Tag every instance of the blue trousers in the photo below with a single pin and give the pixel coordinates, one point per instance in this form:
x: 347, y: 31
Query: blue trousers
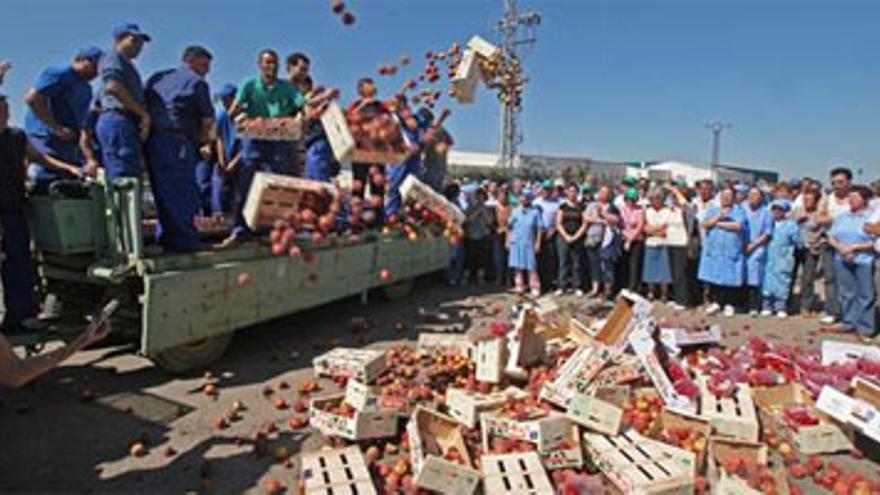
x: 259, y: 156
x: 855, y: 285
x: 396, y: 175
x: 171, y: 161
x: 67, y: 151
x: 223, y: 192
x: 17, y: 269
x: 205, y: 186
x: 319, y: 161
x: 120, y: 145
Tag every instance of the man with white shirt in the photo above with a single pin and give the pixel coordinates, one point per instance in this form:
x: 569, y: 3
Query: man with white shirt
x: 832, y: 206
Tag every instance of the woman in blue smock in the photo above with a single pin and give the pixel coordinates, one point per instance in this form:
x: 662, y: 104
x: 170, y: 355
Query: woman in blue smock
x: 722, y: 260
x: 779, y: 269
x: 523, y: 242
x: 854, y: 263
x: 759, y: 226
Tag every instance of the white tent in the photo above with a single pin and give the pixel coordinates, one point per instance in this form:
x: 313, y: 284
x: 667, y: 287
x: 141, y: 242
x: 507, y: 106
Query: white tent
x: 672, y: 170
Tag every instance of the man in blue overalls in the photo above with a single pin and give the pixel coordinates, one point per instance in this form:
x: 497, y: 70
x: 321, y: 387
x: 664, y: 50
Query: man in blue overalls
x: 262, y: 96
x: 17, y: 269
x: 57, y: 108
x: 124, y: 122
x: 179, y: 103
x: 228, y: 152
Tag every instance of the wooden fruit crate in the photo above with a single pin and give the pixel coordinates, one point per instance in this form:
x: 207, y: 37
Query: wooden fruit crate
x: 525, y: 345
x: 643, y: 344
x: 345, y: 148
x: 445, y: 343
x: 430, y: 435
x: 576, y: 373
x: 483, y: 48
x: 467, y: 76
x: 272, y: 197
x: 639, y: 465
x: 490, y: 356
x: 361, y: 364
x: 360, y: 426
x: 466, y: 407
x: 568, y: 454
x: 671, y: 419
x: 860, y: 411
x: 515, y: 474
x: 361, y: 396
x: 595, y: 414
x: 339, y: 471
x: 414, y: 190
x: 629, y: 309
x: 734, y: 416
x: 547, y: 431
x: 270, y: 129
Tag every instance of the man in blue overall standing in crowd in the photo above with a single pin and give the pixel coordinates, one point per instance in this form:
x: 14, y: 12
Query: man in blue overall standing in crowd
x: 262, y: 96
x: 124, y: 122
x: 179, y: 104
x: 228, y: 153
x: 57, y: 108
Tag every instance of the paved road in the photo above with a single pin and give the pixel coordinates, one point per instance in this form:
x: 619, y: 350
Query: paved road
x: 52, y: 440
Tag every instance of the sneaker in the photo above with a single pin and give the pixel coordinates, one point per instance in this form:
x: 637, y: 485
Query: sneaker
x: 729, y: 311
x: 579, y: 293
x: 781, y: 315
x: 827, y: 319
x: 713, y: 308
x: 671, y: 304
x: 753, y: 313
x: 559, y: 292
x: 535, y: 293
x: 678, y: 307
x: 766, y: 313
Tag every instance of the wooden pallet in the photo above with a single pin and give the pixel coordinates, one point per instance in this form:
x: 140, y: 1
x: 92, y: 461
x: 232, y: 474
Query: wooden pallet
x: 336, y: 472
x: 515, y: 474
x: 734, y: 416
x: 639, y: 465
x: 273, y: 197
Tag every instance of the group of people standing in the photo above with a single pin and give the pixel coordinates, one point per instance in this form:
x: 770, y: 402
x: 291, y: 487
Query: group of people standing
x: 732, y: 248
x: 166, y: 132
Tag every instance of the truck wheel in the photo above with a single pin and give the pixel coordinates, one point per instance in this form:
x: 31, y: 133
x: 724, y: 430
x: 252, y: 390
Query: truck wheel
x: 195, y: 356
x: 399, y: 290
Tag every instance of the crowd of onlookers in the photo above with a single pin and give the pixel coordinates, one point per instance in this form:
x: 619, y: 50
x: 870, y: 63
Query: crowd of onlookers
x: 755, y: 248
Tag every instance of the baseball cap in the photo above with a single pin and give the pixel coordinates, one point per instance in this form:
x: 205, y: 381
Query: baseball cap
x: 631, y: 193
x: 227, y: 91
x: 129, y: 28
x: 781, y: 203
x: 91, y: 53
x: 547, y: 184
x: 559, y: 182
x: 628, y: 181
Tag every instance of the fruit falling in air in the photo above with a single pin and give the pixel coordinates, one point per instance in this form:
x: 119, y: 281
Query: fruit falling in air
x: 385, y: 275
x: 337, y: 6
x: 348, y: 18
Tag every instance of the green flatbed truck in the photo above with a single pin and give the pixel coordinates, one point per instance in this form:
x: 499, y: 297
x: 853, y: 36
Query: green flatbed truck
x: 183, y: 309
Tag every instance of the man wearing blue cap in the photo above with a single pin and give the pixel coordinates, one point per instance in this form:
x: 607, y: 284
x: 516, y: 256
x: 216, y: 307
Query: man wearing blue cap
x: 228, y: 154
x: 262, y: 96
x: 124, y: 122
x: 57, y: 108
x: 15, y: 239
x: 413, y: 129
x: 179, y: 104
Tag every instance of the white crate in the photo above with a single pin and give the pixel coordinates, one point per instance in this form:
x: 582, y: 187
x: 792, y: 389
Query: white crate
x: 595, y: 414
x: 860, y: 414
x: 361, y: 396
x: 445, y: 343
x: 834, y: 351
x: 467, y: 76
x: 547, y: 432
x: 515, y: 474
x: 569, y: 454
x: 345, y: 148
x: 466, y: 407
x: 361, y: 426
x: 430, y: 434
x: 490, y: 355
x: 364, y: 365
x: 336, y: 472
x: 272, y: 197
x: 576, y: 373
x: 639, y: 465
x: 734, y: 416
x: 483, y: 48
x: 412, y: 189
x: 643, y: 345
x: 270, y: 129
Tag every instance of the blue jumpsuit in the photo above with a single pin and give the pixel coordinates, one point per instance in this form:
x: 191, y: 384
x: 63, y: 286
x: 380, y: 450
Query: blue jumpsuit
x: 68, y: 97
x: 17, y: 269
x: 320, y: 163
x: 524, y: 228
x: 397, y: 173
x: 178, y: 101
x: 722, y: 259
x: 116, y: 128
x: 223, y: 189
x: 760, y: 223
x: 780, y: 264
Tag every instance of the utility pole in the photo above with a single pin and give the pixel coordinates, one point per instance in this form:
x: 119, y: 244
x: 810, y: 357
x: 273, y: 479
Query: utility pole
x: 717, y: 128
x: 517, y: 32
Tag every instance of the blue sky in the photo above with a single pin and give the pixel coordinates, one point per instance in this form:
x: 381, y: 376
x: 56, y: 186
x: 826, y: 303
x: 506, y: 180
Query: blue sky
x: 611, y: 79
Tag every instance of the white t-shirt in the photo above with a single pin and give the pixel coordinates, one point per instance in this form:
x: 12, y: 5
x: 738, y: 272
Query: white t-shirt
x: 835, y: 206
x: 875, y: 218
x: 676, y: 236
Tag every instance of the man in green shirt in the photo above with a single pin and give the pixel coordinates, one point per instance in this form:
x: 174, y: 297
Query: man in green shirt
x: 262, y: 96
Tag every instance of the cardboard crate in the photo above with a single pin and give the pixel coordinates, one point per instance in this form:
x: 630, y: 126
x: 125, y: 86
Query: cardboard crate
x: 576, y: 373
x: 730, y: 416
x: 445, y: 343
x: 332, y: 472
x: 483, y: 48
x: 273, y: 197
x: 490, y: 356
x: 835, y: 351
x: 467, y: 77
x: 414, y: 190
x: 595, y: 414
x: 430, y: 435
x: 364, y: 365
x: 361, y: 426
x: 466, y: 407
x: 569, y: 454
x: 547, y: 432
x: 671, y: 418
x: 824, y: 438
x: 361, y: 396
x: 345, y: 148
x: 644, y: 346
x: 270, y: 129
x: 515, y: 474
x: 639, y: 465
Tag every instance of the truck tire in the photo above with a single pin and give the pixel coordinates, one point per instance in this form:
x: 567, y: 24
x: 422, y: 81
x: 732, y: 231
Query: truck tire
x: 399, y: 290
x: 195, y: 356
